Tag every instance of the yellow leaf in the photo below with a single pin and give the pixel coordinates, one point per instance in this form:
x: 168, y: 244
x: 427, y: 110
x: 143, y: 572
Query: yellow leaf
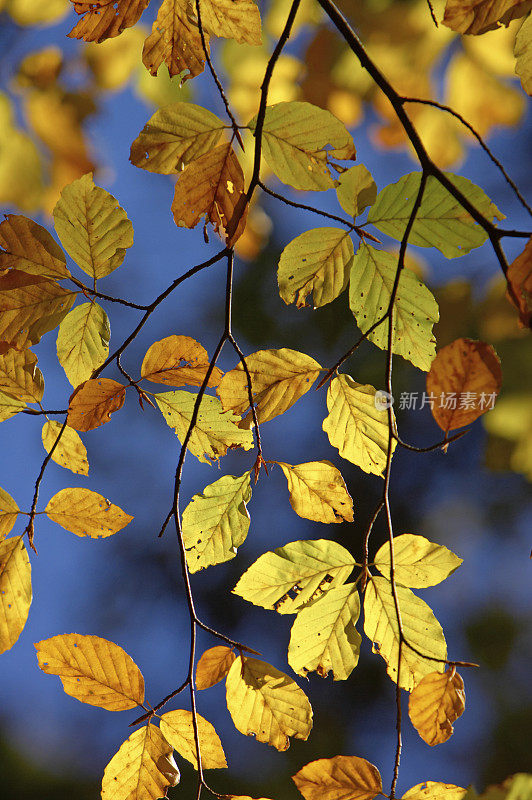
x: 15, y: 590
x: 433, y: 790
x: 435, y: 703
x: 356, y: 190
x: 523, y: 54
x: 355, y: 426
x: 174, y: 136
x: 292, y: 576
x: 418, y: 562
x: 9, y: 406
x: 519, y: 276
x: 175, y: 41
x: 178, y: 729
x: 216, y: 522
x: 177, y: 361
x: 278, y: 379
x: 20, y: 377
x: 232, y: 19
x: 213, y: 666
x: 92, y: 403
x: 104, y: 19
x: 70, y: 452
x: 93, y: 670
x: 92, y: 227
x: 86, y: 513
x: 479, y: 16
x: 214, y: 431
x: 83, y: 342
x: 318, y: 492
x: 213, y: 185
x: 324, y: 637
x: 420, y: 628
x: 266, y: 703
x: 21, y: 170
x: 8, y: 513
x: 142, y: 769
x: 30, y: 248
x: 339, y: 778
x: 37, y: 12
x: 114, y: 61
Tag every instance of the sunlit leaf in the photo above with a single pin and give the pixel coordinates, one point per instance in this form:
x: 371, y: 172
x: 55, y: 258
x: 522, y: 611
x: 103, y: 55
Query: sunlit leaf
x: 214, y: 432
x: 433, y: 790
x: 266, y: 703
x: 514, y: 787
x: 479, y: 16
x: 288, y: 578
x: 420, y: 628
x: 37, y: 12
x: 92, y: 227
x: 418, y: 563
x: 86, y: 513
x: 213, y: 666
x: 104, y: 19
x: 92, y: 403
x: 20, y: 377
x: 278, y: 379
x: 15, y: 590
x: 435, y: 703
x: 178, y: 729
x: 523, y: 54
x: 414, y: 312
x: 232, y: 19
x: 216, y: 522
x: 356, y: 190
x: 339, y: 778
x: 8, y: 513
x: 463, y: 382
x: 318, y: 491
x: 440, y: 221
x: 9, y: 406
x: 30, y: 248
x: 113, y: 62
x: 175, y: 41
x: 355, y: 426
x: 519, y: 277
x: 174, y: 136
x: 83, y: 342
x: 21, y: 168
x: 177, y: 361
x: 70, y: 451
x: 323, y: 636
x: 316, y: 262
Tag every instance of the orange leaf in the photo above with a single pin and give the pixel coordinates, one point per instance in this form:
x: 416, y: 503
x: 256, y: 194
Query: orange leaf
x: 104, y: 19
x: 435, y: 703
x: 29, y: 247
x: 92, y: 404
x: 177, y: 361
x: 339, y: 778
x: 175, y: 41
x: 463, y: 382
x: 213, y: 666
x: 520, y: 279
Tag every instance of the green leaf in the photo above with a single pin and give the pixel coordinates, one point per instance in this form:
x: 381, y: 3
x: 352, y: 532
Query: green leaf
x: 356, y: 190
x: 291, y: 576
x: 355, y: 426
x: 420, y: 628
x: 174, y: 136
x: 8, y: 513
x: 92, y: 227
x: 83, y: 342
x: 418, y: 562
x: 214, y: 432
x: 324, y: 637
x: 414, y: 313
x: 294, y: 138
x: 70, y: 452
x: 316, y: 262
x: 216, y: 522
x: 523, y: 54
x: 441, y: 221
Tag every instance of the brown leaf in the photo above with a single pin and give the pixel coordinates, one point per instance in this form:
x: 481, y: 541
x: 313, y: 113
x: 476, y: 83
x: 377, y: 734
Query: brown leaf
x: 30, y: 248
x: 464, y: 379
x: 104, y: 19
x: 435, y: 703
x: 339, y: 778
x: 479, y: 16
x: 213, y: 666
x: 92, y: 404
x: 178, y: 361
x: 175, y: 41
x: 520, y: 279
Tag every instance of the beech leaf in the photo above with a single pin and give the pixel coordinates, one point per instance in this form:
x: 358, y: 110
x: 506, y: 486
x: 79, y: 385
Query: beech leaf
x: 519, y: 277
x: 479, y: 16
x: 175, y: 41
x: 339, y: 778
x: 178, y: 729
x: 418, y: 563
x: 434, y: 790
x: 93, y: 402
x: 318, y: 491
x: 8, y: 513
x: 20, y: 377
x: 70, y: 451
x: 104, y: 19
x: 435, y: 703
x: 356, y: 190
x: 86, y: 513
x: 177, y: 361
x: 30, y: 248
x: 15, y: 588
x: 83, y: 342
x: 232, y: 19
x: 9, y: 406
x: 523, y: 54
x: 213, y: 666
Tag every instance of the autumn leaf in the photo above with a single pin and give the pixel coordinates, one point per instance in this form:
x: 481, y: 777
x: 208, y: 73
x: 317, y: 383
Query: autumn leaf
x: 92, y: 403
x: 178, y: 729
x: 435, y: 703
x: 20, y: 377
x: 15, y: 588
x: 316, y: 262
x: 70, y: 451
x: 318, y: 491
x: 93, y: 670
x: 356, y: 190
x: 9, y: 406
x: 142, y: 769
x: 418, y: 563
x: 434, y: 790
x: 278, y: 379
x: 8, y: 513
x: 232, y: 19
x: 266, y: 703
x: 464, y: 380
x: 86, y: 513
x: 523, y: 54
x: 519, y: 277
x: 323, y: 637
x: 478, y: 16
x: 289, y: 577
x: 104, y: 19
x: 216, y: 522
x: 30, y: 248
x: 355, y: 426
x: 213, y: 666
x: 177, y: 361
x: 83, y: 342
x: 339, y: 778
x: 175, y: 41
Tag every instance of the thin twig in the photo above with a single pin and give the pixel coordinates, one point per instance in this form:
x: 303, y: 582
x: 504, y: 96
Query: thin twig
x: 108, y: 297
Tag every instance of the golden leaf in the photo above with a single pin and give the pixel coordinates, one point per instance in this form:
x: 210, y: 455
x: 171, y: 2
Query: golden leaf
x: 266, y: 703
x: 93, y: 670
x: 83, y: 342
x: 30, y: 248
x: 318, y: 491
x: 70, y: 452
x: 434, y: 790
x: 435, y: 703
x: 523, y: 54
x: 86, y: 513
x: 175, y: 41
x: 479, y: 16
x: 8, y: 513
x: 339, y: 778
x: 9, y: 406
x: 519, y: 277
x: 142, y: 769
x: 15, y: 590
x: 356, y: 190
x: 92, y: 403
x: 178, y: 729
x: 37, y: 12
x: 20, y: 377
x: 114, y: 62
x: 177, y: 361
x: 418, y: 563
x: 104, y: 19
x: 213, y: 666
x: 232, y: 19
